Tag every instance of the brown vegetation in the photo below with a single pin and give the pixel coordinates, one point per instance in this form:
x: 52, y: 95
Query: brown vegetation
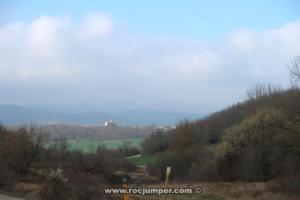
x: 58, y: 173
x: 257, y: 140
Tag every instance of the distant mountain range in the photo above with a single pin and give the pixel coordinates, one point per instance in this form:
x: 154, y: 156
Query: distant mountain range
x: 18, y: 115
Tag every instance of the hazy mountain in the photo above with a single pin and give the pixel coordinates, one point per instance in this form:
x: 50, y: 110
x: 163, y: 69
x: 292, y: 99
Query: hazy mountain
x: 148, y: 117
x: 15, y: 114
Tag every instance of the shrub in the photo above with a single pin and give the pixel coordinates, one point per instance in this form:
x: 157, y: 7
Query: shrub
x: 179, y: 161
x: 19, y: 149
x: 55, y: 187
x: 84, y: 185
x: 72, y: 184
x: 155, y: 143
x: 204, y: 167
x: 183, y: 137
x: 255, y: 149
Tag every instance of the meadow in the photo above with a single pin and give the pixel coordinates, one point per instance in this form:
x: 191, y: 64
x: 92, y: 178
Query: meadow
x: 143, y: 160
x: 87, y: 145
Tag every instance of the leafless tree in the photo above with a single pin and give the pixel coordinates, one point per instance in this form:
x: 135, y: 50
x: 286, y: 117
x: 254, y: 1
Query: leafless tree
x: 260, y: 90
x: 294, y: 69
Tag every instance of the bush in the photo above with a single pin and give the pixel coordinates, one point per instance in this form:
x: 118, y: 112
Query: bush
x: 19, y: 149
x: 179, y: 161
x: 132, y: 151
x: 204, y: 168
x: 55, y: 187
x: 255, y: 149
x: 289, y: 180
x: 84, y: 185
x: 155, y: 143
x: 72, y: 184
x: 183, y: 137
x: 7, y: 178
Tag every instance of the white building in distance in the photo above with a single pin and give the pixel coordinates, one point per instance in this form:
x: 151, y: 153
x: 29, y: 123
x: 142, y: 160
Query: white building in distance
x: 110, y: 124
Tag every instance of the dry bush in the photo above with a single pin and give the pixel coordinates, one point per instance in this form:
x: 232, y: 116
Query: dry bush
x: 179, y: 161
x: 55, y: 186
x: 19, y: 149
x: 155, y: 143
x: 258, y: 147
x: 72, y: 184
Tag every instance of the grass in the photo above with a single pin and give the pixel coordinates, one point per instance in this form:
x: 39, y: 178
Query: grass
x: 86, y: 145
x: 144, y: 159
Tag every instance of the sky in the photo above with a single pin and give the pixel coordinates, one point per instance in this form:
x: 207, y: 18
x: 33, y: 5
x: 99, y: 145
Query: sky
x: 187, y: 56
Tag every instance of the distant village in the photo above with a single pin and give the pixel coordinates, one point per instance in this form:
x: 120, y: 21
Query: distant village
x: 112, y: 124
x: 107, y: 130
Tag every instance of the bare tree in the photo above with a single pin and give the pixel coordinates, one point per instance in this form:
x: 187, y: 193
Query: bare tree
x: 260, y: 90
x: 294, y: 69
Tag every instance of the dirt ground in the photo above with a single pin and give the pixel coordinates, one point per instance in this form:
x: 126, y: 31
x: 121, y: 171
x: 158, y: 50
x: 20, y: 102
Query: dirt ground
x: 210, y: 191
x: 6, y: 197
x: 221, y: 191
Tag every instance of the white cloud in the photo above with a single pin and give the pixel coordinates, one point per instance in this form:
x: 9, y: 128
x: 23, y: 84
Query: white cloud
x: 193, y: 64
x: 286, y: 37
x: 243, y: 39
x: 43, y: 36
x: 265, y: 54
x: 95, y: 25
x: 90, y: 62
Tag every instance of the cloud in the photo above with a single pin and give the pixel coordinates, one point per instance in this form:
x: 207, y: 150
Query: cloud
x: 95, y: 25
x: 43, y: 37
x: 242, y: 39
x: 93, y: 60
x: 266, y: 54
x: 32, y: 50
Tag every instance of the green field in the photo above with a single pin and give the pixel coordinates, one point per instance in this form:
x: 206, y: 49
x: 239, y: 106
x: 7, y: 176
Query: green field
x: 144, y: 159
x: 86, y: 145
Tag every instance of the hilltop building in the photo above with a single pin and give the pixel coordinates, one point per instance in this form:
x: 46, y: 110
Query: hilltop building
x: 166, y: 128
x: 110, y: 124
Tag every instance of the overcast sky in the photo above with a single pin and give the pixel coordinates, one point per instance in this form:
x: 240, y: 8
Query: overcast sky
x: 189, y: 56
